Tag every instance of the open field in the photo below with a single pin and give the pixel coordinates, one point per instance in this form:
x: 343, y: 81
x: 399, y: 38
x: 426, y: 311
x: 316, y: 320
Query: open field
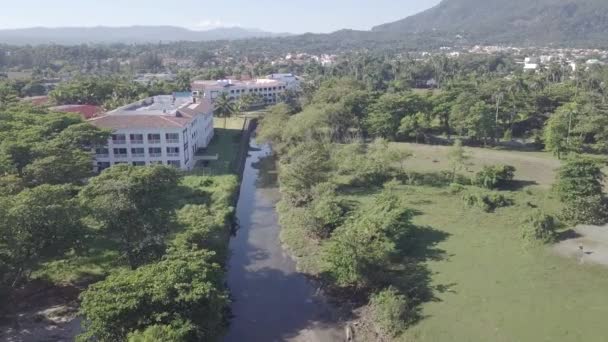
x: 494, y: 288
x: 489, y: 285
x: 532, y: 167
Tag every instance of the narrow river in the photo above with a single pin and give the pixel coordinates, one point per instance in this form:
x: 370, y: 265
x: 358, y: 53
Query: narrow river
x: 272, y: 301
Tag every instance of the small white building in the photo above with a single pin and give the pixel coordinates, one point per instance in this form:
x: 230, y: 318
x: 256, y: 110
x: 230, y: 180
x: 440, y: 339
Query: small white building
x: 531, y: 63
x: 165, y: 129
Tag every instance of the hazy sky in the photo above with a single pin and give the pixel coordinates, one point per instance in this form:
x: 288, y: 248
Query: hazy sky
x: 295, y: 16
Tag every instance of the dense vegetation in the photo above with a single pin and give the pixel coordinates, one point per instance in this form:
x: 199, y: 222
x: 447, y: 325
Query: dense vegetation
x: 336, y: 143
x: 151, y: 241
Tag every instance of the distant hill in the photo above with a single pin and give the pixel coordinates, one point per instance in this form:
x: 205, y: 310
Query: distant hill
x: 539, y: 22
x: 131, y: 34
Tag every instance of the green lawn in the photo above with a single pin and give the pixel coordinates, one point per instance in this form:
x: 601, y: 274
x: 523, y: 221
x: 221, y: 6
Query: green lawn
x: 225, y: 144
x: 494, y: 288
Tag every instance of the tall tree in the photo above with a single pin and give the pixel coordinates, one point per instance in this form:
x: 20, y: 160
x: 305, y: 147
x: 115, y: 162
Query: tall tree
x: 224, y: 107
x: 134, y: 206
x: 37, y: 223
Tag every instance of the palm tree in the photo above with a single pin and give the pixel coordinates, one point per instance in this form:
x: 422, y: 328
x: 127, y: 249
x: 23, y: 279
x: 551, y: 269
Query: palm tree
x: 224, y: 108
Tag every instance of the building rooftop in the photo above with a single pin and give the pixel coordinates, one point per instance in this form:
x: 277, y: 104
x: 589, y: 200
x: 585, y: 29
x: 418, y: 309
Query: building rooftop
x: 163, y: 111
x: 220, y: 84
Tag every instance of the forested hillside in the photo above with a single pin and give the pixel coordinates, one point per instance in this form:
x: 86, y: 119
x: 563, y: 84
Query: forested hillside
x: 542, y: 22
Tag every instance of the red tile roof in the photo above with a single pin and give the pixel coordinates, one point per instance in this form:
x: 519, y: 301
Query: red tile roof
x: 86, y: 111
x: 37, y: 100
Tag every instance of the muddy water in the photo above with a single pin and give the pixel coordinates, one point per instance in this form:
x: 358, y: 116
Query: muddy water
x: 272, y: 301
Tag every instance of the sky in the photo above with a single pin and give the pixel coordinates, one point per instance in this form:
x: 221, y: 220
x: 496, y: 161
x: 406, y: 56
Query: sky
x: 293, y: 16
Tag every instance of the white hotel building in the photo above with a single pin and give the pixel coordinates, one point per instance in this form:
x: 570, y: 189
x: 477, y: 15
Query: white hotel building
x: 165, y: 129
x: 269, y: 89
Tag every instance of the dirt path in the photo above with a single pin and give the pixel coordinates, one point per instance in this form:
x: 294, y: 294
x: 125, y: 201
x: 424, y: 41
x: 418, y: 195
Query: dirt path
x: 42, y: 312
x: 594, y: 242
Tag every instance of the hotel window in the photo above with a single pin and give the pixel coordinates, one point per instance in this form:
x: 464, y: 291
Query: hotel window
x: 139, y: 163
x: 119, y: 139
x: 120, y: 153
x: 138, y: 152
x: 173, y: 151
x: 154, y: 138
x: 172, y: 138
x: 102, y: 152
x: 174, y: 163
x: 136, y: 138
x: 155, y: 152
x: 102, y: 166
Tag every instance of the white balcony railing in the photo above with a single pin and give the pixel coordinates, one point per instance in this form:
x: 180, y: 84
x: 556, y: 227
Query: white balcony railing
x: 121, y: 156
x: 172, y: 141
x: 173, y: 154
x: 156, y: 155
x: 154, y: 141
x: 138, y: 155
x: 119, y: 142
x: 137, y: 142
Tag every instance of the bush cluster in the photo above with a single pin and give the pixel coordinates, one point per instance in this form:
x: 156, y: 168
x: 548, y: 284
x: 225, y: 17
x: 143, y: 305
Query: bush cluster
x: 488, y: 201
x: 586, y: 210
x: 388, y: 310
x: 540, y: 228
x: 495, y: 176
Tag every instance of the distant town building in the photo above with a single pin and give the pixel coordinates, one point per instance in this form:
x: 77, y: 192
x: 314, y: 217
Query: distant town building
x: 531, y: 63
x: 164, y: 129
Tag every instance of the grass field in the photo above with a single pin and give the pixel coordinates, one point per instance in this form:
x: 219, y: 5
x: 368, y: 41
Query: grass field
x: 493, y: 287
x: 533, y: 167
x: 489, y: 285
x: 496, y: 289
x: 225, y: 144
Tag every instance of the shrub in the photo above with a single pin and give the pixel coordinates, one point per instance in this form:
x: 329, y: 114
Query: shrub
x: 486, y: 201
x: 586, y: 210
x: 540, y: 227
x: 389, y: 312
x: 358, y: 253
x: 492, y: 177
x: 580, y: 187
x: 456, y: 188
x: 176, y: 331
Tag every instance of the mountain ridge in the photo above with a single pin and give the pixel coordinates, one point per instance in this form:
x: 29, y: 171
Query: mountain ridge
x: 125, y: 34
x: 512, y: 21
